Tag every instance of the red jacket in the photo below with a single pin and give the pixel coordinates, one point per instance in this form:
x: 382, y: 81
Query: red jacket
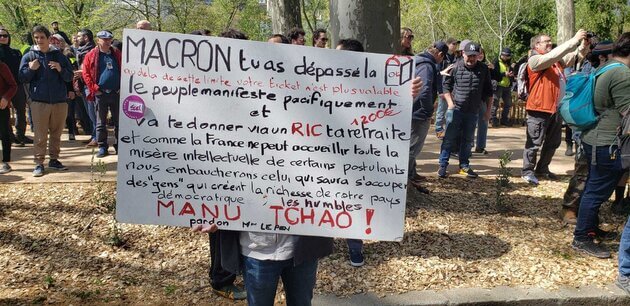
x: 90, y: 69
x: 8, y: 87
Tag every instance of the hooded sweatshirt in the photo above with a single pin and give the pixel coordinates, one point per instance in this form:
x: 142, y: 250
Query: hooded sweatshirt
x: 427, y: 70
x: 46, y: 85
x: 11, y: 57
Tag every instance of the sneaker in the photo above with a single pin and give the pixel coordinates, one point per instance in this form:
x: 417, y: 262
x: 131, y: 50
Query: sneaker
x: 39, y: 170
x: 92, y: 143
x: 55, y: 164
x: 569, y: 151
x: 5, y: 168
x: 442, y: 172
x: 531, y: 179
x: 548, y: 175
x: 481, y: 151
x: 231, y: 292
x: 468, y: 172
x: 603, y: 235
x: 71, y: 137
x: 589, y: 247
x: 102, y: 152
x: 356, y: 258
x: 623, y: 282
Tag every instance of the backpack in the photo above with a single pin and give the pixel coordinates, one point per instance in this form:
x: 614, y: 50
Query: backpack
x: 522, y: 82
x: 577, y: 108
x: 623, y: 139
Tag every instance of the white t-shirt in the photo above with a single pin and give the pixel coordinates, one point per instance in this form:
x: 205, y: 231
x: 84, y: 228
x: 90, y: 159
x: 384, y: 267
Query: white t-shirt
x: 267, y: 246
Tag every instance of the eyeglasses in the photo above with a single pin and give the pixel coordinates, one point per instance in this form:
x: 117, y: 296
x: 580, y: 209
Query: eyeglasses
x: 410, y: 37
x: 4, y: 35
x: 324, y: 39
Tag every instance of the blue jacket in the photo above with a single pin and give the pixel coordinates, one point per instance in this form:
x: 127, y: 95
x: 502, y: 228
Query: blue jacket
x: 427, y: 70
x: 46, y: 85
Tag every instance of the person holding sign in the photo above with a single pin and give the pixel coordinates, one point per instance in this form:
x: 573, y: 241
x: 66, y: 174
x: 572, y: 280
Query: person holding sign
x: 47, y: 70
x: 101, y: 74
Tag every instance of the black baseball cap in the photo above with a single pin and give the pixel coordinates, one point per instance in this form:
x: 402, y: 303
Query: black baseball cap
x: 441, y: 46
x: 506, y: 52
x: 472, y: 48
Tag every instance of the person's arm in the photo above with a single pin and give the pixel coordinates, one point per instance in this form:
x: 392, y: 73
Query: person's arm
x: 7, y: 76
x: 449, y: 83
x: 26, y: 74
x: 538, y: 62
x: 488, y: 96
x: 66, y: 69
x: 620, y: 89
x: 425, y: 74
x: 416, y: 87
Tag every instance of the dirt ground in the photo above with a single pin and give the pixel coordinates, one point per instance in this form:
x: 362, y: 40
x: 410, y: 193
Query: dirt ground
x: 59, y: 244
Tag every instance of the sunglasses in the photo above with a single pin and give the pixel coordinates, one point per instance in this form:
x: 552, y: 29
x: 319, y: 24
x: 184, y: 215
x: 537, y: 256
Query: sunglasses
x: 4, y: 35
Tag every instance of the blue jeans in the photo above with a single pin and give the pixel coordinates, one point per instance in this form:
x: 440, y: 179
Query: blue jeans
x: 600, y: 184
x: 91, y: 110
x: 461, y: 127
x: 624, y: 251
x: 440, y: 114
x: 261, y: 281
x: 482, y: 128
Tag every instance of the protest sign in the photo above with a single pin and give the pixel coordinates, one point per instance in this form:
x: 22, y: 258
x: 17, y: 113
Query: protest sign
x: 255, y: 136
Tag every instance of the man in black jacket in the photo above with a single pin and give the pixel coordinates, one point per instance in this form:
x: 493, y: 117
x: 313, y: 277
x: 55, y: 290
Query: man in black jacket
x: 426, y: 69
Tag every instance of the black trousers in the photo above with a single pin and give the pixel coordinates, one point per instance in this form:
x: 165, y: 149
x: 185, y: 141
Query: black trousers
x: 5, y: 133
x: 218, y: 276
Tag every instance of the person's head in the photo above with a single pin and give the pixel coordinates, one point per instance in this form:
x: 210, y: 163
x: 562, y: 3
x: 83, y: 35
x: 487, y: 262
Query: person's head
x: 471, y: 54
x: 104, y: 40
x: 75, y: 39
x: 320, y: 39
x: 350, y: 45
x: 601, y: 53
x: 296, y: 35
x: 55, y: 26
x: 5, y: 37
x: 234, y: 34
x: 621, y: 48
x: 117, y: 44
x: 452, y: 44
x: 482, y: 55
x: 143, y: 25
x: 541, y: 43
x: 58, y: 41
x: 41, y: 37
x: 85, y: 36
x: 278, y: 39
x: 506, y: 55
x: 202, y: 32
x: 406, y: 38
x: 438, y: 50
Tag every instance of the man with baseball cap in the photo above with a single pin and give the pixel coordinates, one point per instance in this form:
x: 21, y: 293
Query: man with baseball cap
x: 445, y: 66
x: 468, y: 84
x: 503, y: 74
x: 101, y: 73
x: 426, y: 69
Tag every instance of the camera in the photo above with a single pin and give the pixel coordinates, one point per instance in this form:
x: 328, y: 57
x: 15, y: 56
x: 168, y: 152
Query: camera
x: 590, y: 34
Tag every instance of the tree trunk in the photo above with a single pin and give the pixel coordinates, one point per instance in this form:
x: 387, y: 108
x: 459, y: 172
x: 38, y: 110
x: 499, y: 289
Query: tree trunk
x: 285, y: 14
x: 375, y: 23
x: 566, y: 20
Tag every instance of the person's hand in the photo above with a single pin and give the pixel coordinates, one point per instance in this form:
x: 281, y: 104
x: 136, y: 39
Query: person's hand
x: 448, y: 69
x: 510, y: 74
x: 4, y: 103
x: 77, y: 74
x: 71, y: 95
x: 416, y: 86
x: 581, y: 34
x: 54, y: 65
x: 205, y: 228
x: 34, y: 64
x: 491, y: 66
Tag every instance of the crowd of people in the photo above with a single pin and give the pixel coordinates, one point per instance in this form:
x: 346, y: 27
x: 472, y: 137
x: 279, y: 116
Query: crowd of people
x: 60, y: 81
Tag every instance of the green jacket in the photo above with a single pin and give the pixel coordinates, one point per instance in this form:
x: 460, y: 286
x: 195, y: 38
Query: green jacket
x: 612, y: 95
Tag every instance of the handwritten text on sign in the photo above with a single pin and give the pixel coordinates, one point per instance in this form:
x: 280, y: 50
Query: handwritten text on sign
x: 262, y: 137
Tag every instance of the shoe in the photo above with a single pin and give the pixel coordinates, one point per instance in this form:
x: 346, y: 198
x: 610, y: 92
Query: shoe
x: 468, y: 172
x: 568, y: 215
x: 5, y: 168
x: 71, y: 137
x: 419, y: 187
x: 102, y: 152
x: 18, y: 143
x: 116, y: 148
x: 548, y: 175
x: 92, y: 143
x: 623, y: 282
x: 55, y: 164
x: 442, y: 172
x: 419, y: 178
x: 39, y: 170
x: 231, y: 292
x: 569, y: 151
x: 439, y: 135
x: 531, y: 179
x: 481, y: 151
x: 507, y: 124
x: 25, y: 140
x: 589, y: 247
x: 603, y: 235
x: 86, y: 141
x: 356, y: 258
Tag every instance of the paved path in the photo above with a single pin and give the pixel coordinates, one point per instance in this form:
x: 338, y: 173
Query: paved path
x: 79, y: 159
